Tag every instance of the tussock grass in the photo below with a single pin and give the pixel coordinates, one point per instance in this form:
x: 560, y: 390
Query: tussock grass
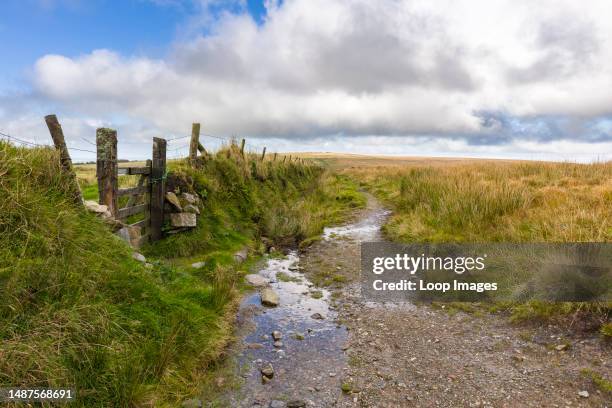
x: 77, y: 311
x: 484, y: 202
x: 496, y: 202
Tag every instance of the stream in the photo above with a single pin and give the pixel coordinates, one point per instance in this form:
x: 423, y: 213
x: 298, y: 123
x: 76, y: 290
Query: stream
x: 310, y: 360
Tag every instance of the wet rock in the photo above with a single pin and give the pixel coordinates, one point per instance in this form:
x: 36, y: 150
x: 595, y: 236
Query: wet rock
x: 254, y: 346
x: 276, y: 335
x: 192, y: 403
x: 198, y: 265
x: 267, y: 371
x: 256, y: 280
x: 173, y: 199
x: 278, y: 344
x: 277, y: 404
x: 191, y: 209
x: 317, y: 316
x: 269, y: 297
x: 296, y: 404
x: 181, y: 220
x: 583, y: 394
x: 139, y: 257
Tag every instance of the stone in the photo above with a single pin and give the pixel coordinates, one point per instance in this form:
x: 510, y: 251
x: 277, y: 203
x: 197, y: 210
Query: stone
x: 192, y: 403
x: 131, y: 235
x: 179, y: 220
x: 191, y: 209
x: 317, y: 316
x: 189, y: 198
x: 561, y: 347
x: 269, y: 297
x: 173, y: 199
x: 139, y: 257
x: 198, y: 265
x: 254, y: 346
x: 241, y: 255
x: 96, y: 208
x: 278, y: 344
x: 256, y: 280
x: 277, y: 404
x: 296, y: 404
x: 267, y: 371
x: 276, y: 335
x: 583, y: 394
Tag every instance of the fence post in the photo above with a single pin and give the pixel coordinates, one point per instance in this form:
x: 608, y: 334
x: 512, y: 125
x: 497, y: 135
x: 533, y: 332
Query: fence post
x: 195, y: 141
x: 106, y: 168
x: 146, y: 230
x: 60, y: 144
x: 242, y: 147
x: 158, y: 187
x: 274, y: 159
x: 263, y: 154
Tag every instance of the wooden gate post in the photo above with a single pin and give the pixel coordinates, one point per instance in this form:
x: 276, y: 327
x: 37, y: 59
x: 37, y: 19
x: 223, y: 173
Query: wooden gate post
x: 60, y: 144
x: 107, y: 168
x: 195, y: 142
x: 158, y: 187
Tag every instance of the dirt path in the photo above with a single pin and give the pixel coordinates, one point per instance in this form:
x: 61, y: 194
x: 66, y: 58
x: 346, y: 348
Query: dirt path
x: 362, y: 354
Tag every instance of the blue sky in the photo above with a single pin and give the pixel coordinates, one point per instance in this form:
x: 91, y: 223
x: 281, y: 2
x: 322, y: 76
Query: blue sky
x: 30, y: 29
x: 471, y: 78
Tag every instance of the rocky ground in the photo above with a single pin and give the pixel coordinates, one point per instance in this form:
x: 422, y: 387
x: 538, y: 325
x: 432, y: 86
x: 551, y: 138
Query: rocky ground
x: 363, y: 354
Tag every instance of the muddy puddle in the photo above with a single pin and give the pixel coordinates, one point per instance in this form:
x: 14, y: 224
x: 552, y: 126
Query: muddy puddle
x: 310, y: 362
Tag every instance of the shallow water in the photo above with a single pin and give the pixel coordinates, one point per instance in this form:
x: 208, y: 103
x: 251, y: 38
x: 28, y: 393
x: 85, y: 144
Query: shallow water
x: 310, y: 364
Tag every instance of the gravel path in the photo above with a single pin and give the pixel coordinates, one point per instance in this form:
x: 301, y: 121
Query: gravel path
x: 387, y: 355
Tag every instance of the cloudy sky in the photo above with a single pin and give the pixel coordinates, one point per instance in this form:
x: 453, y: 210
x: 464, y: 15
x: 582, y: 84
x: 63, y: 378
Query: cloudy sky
x: 476, y: 78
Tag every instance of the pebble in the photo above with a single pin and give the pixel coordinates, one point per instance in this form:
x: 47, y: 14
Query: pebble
x: 278, y: 344
x: 267, y: 370
x: 583, y: 394
x: 276, y: 335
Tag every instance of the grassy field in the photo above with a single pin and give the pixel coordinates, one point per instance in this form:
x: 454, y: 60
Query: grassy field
x: 76, y: 309
x: 438, y: 200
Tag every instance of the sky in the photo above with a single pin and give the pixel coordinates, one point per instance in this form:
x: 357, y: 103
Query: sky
x: 468, y: 78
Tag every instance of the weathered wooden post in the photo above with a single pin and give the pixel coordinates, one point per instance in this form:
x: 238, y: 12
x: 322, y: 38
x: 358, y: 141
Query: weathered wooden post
x: 57, y: 134
x: 242, y: 147
x: 107, y: 169
x: 146, y: 229
x: 263, y: 154
x: 274, y: 158
x: 158, y: 187
x: 195, y: 141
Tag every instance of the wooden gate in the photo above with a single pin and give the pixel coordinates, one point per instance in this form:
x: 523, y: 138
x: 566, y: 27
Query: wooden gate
x: 146, y: 198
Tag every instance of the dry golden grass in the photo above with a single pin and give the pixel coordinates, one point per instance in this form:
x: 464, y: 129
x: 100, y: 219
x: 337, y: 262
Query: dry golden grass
x: 484, y: 200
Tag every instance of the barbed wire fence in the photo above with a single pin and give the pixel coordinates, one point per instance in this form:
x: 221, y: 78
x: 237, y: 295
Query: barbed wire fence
x: 177, y: 148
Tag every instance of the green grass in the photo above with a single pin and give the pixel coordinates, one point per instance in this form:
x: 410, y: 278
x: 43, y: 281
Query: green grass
x: 600, y: 382
x: 77, y: 311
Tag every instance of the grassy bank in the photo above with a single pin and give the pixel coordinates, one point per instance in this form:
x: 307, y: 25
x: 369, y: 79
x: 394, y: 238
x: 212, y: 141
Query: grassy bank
x: 483, y: 202
x: 77, y: 311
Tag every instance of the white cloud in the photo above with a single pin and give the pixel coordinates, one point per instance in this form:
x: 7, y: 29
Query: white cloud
x: 321, y: 67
